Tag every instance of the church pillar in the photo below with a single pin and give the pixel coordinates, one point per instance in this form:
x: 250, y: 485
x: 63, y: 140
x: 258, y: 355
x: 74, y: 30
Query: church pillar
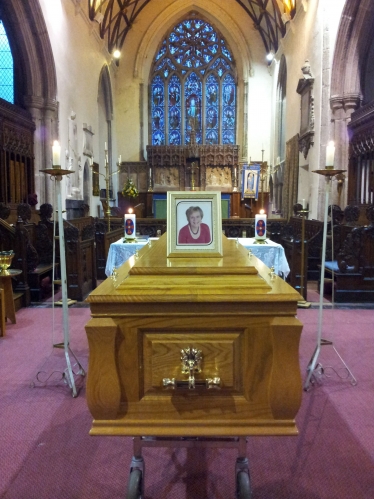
x: 49, y: 136
x: 245, y: 124
x: 342, y: 109
x: 43, y: 114
x: 39, y: 177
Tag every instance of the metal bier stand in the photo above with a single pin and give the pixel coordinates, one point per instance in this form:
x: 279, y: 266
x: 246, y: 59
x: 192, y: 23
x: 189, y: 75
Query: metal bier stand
x: 56, y: 172
x: 313, y: 366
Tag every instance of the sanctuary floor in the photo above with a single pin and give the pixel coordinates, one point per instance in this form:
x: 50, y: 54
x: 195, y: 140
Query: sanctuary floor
x: 46, y: 451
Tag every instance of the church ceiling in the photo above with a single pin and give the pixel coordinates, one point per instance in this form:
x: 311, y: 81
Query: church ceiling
x: 116, y: 17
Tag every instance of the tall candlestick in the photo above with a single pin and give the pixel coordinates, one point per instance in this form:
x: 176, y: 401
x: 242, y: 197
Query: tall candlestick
x: 105, y: 147
x: 130, y: 226
x: 56, y: 153
x: 260, y: 226
x: 330, y: 153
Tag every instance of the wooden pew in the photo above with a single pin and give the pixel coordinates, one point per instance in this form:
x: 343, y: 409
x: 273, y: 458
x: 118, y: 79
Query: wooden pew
x: 352, y: 272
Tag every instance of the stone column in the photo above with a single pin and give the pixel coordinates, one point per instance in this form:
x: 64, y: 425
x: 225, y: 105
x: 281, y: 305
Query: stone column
x: 50, y: 134
x: 342, y: 108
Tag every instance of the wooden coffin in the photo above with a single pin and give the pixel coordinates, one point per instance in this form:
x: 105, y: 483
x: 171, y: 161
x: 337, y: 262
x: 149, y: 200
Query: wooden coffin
x: 231, y: 309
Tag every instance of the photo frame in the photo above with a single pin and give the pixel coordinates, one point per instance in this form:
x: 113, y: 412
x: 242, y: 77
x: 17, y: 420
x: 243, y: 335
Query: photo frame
x: 194, y: 222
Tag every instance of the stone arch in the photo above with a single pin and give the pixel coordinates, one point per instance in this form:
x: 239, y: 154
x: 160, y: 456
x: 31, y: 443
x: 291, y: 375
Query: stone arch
x: 353, y: 40
x: 105, y: 113
x: 352, y: 43
x: 106, y: 86
x: 35, y: 69
x: 229, y: 28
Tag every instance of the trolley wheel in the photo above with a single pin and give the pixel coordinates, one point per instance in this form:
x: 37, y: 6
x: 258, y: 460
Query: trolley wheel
x: 134, y: 487
x: 243, y: 487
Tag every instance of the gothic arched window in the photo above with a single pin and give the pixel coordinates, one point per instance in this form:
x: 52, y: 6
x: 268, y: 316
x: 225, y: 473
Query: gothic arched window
x: 6, y: 67
x: 193, y: 87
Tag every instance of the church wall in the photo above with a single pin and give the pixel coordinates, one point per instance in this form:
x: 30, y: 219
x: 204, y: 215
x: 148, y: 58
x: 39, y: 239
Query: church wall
x: 79, y: 56
x: 311, y: 36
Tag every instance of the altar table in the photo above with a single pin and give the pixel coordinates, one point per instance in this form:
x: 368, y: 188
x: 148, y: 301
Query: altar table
x: 270, y: 253
x: 119, y: 252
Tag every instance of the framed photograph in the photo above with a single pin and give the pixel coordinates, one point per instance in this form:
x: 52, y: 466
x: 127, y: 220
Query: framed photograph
x: 194, y: 222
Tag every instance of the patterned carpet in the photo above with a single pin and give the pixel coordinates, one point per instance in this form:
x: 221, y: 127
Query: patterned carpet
x: 47, y: 453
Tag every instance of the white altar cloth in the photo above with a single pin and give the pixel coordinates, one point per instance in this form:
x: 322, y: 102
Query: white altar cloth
x: 270, y: 253
x: 119, y: 252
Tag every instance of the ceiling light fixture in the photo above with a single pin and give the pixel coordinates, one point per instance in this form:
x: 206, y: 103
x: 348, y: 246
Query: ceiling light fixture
x: 270, y: 56
x: 116, y: 54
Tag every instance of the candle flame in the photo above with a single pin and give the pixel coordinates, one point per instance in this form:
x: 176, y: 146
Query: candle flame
x: 130, y: 210
x: 262, y: 212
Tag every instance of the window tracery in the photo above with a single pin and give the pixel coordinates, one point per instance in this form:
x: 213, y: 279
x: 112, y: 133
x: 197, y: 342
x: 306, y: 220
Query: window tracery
x: 193, y: 87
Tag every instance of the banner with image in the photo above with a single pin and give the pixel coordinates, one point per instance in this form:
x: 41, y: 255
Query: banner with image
x: 250, y: 181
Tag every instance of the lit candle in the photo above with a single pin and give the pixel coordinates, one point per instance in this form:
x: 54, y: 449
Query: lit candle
x: 260, y: 226
x: 303, y: 204
x: 56, y: 154
x: 105, y: 147
x: 330, y: 153
x: 130, y: 225
x: 119, y: 159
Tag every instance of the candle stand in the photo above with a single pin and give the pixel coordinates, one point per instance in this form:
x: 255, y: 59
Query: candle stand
x: 314, y: 367
x: 57, y: 173
x: 303, y: 303
x: 107, y: 178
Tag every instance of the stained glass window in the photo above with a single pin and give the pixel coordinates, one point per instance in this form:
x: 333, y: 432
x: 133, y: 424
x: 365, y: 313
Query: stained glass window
x: 6, y: 67
x: 193, y: 87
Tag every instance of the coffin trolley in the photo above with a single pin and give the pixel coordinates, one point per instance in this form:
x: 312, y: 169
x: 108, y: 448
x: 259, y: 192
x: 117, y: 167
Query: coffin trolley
x: 193, y: 352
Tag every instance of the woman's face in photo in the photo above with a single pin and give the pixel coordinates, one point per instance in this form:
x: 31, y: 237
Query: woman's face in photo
x: 195, y: 219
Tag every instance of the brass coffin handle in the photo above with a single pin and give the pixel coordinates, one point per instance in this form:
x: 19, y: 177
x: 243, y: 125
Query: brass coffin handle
x: 207, y: 383
x: 191, y: 363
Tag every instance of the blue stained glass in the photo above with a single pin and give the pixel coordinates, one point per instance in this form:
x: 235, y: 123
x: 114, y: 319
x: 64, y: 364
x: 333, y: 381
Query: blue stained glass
x: 6, y: 67
x: 228, y: 137
x: 158, y: 139
x: 225, y: 51
x: 193, y: 52
x: 229, y: 110
x: 211, y: 137
x: 174, y: 102
x: 157, y: 111
x: 228, y: 91
x: 164, y: 64
x: 221, y: 63
x: 162, y: 51
x: 228, y: 117
x: 212, y: 110
x: 158, y: 118
x: 175, y: 138
x: 192, y: 97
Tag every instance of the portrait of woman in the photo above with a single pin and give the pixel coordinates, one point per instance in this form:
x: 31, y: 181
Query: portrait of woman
x: 195, y: 232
